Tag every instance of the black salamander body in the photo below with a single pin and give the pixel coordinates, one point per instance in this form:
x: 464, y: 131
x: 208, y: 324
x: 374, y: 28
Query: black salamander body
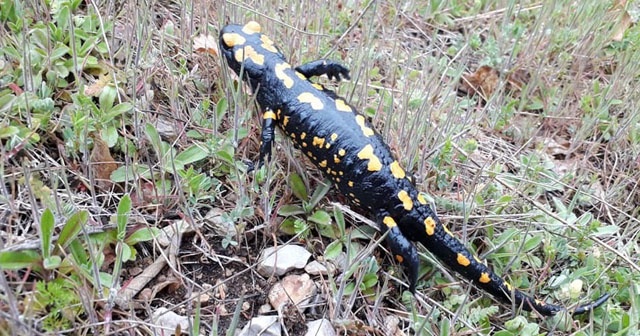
x: 344, y: 145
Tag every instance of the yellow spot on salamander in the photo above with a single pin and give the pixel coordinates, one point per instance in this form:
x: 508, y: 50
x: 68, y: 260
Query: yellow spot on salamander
x: 374, y: 163
x: 286, y: 80
x: 421, y: 199
x: 251, y: 27
x: 336, y: 159
x: 337, y: 179
x: 430, y: 226
x: 342, y: 152
x: 307, y: 97
x: 310, y: 154
x: 304, y: 144
x: 300, y: 75
x: 341, y: 173
x: 446, y: 229
x: 285, y: 121
x: 250, y: 53
x: 303, y: 135
x: 539, y: 303
x: 407, y: 203
x: 462, y: 260
x: 293, y: 135
x: 399, y: 258
x: 508, y: 285
x: 233, y: 39
x: 396, y: 170
x: 361, y: 122
x: 484, y: 278
x: 389, y: 222
x: 334, y: 136
x: 318, y: 141
x: 269, y: 115
x: 268, y: 44
x: 318, y: 86
x: 323, y: 163
x: 342, y: 106
x: 350, y: 183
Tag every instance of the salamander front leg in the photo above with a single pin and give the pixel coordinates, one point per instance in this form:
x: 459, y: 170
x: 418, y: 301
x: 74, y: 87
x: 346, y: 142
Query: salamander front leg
x: 332, y: 69
x: 267, y: 136
x: 403, y: 250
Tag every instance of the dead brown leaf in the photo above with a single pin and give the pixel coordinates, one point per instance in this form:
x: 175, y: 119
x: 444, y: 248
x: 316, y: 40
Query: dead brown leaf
x: 102, y: 163
x: 206, y: 43
x: 624, y: 20
x: 94, y: 89
x: 484, y: 81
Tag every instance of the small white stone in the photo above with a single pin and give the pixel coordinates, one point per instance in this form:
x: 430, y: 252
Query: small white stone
x: 320, y: 327
x: 317, y: 268
x: 281, y: 260
x: 166, y: 320
x: 295, y: 289
x: 263, y: 326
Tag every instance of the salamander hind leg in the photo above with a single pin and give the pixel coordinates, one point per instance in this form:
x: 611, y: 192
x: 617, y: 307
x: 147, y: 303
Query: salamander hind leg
x: 403, y: 250
x: 332, y: 69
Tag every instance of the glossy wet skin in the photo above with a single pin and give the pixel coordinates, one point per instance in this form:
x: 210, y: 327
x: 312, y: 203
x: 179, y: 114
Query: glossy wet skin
x: 345, y: 146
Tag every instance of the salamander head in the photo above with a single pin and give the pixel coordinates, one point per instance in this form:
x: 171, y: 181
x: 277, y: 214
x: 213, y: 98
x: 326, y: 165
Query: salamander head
x: 245, y: 48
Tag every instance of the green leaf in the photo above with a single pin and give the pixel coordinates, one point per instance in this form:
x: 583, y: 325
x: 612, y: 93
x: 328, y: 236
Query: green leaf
x: 333, y: 250
x: 128, y: 253
x: 329, y: 231
x: 130, y: 173
x: 122, y: 217
x: 110, y: 135
x: 339, y: 217
x: 288, y: 226
x: 15, y: 260
x: 78, y: 252
x: 47, y: 224
x: 142, y: 235
x: 298, y: 187
x: 319, y: 193
x: 72, y: 227
x: 221, y: 109
x: 62, y: 17
x: 606, y: 230
x: 532, y: 243
x: 191, y: 154
x: 8, y: 131
x: 369, y: 280
x: 120, y: 109
x: 290, y: 210
x: 60, y: 51
x: 225, y: 154
x: 107, y: 97
x: 52, y: 262
x: 320, y: 217
x: 154, y: 137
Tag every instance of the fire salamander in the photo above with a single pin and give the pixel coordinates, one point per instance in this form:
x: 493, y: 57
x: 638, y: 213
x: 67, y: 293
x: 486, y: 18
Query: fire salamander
x: 345, y: 146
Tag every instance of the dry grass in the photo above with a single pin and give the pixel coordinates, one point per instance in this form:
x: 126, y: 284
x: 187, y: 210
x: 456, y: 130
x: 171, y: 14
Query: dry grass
x: 537, y: 172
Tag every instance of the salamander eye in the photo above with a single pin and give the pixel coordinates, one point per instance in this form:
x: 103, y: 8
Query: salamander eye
x: 251, y: 27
